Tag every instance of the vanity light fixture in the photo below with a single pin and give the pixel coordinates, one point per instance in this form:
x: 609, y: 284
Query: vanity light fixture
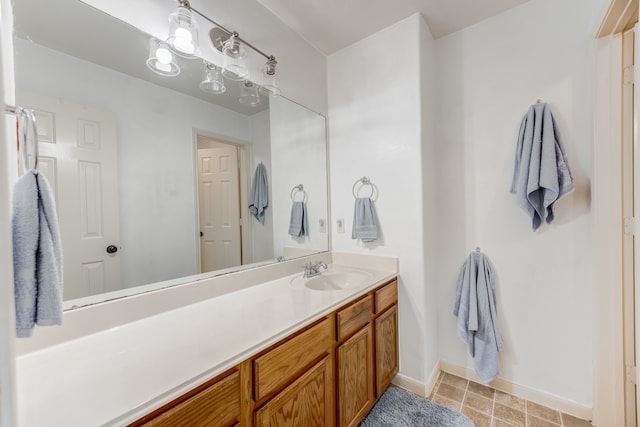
x: 161, y: 60
x: 183, y: 32
x: 212, y: 81
x: 249, y: 94
x: 183, y: 39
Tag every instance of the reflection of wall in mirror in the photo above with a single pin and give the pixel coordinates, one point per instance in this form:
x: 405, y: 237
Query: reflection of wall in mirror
x: 298, y: 136
x: 156, y: 154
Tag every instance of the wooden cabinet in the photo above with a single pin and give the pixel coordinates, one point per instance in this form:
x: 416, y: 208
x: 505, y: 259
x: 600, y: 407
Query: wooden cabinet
x: 330, y: 373
x: 216, y: 404
x: 355, y: 377
x: 386, y: 330
x: 308, y: 401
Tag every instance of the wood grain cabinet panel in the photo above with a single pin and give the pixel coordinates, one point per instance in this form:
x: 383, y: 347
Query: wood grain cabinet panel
x: 306, y: 402
x: 216, y: 406
x: 288, y: 360
x: 353, y: 317
x: 386, y: 329
x: 355, y: 378
x: 386, y: 296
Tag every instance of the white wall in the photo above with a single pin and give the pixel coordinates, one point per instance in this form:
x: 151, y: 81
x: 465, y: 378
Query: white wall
x: 298, y: 136
x: 302, y: 68
x: 376, y: 130
x: 488, y: 75
x: 154, y: 196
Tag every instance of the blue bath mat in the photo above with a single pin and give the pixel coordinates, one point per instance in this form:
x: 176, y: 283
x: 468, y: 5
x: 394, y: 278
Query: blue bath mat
x: 399, y: 408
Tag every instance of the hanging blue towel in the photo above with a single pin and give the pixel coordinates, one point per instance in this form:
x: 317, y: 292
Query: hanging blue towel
x: 259, y: 197
x: 37, y: 255
x: 364, y: 220
x: 475, y: 308
x: 541, y: 175
x: 298, y: 225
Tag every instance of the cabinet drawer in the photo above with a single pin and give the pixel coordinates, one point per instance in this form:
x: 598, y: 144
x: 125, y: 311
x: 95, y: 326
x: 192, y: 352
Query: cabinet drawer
x: 289, y: 359
x: 352, y: 318
x: 386, y: 296
x: 218, y: 405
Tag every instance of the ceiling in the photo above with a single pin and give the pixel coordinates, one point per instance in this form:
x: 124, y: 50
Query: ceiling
x: 330, y: 25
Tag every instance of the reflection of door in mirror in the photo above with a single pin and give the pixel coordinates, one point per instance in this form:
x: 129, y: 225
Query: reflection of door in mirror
x: 78, y: 155
x: 219, y: 205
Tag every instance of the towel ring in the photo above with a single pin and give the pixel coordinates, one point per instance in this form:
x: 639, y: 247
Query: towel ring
x: 298, y: 189
x: 27, y: 132
x: 363, y: 182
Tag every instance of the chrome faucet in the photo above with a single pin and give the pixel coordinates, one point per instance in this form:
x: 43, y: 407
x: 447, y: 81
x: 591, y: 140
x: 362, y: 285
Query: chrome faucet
x: 313, y: 268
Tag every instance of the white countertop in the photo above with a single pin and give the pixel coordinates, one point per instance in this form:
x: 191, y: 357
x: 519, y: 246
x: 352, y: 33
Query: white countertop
x: 117, y: 375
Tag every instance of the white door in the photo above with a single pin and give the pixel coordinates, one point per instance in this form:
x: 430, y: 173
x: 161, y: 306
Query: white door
x: 219, y: 208
x: 78, y: 155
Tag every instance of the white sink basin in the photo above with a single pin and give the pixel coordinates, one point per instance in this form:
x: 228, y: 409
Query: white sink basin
x: 334, y: 279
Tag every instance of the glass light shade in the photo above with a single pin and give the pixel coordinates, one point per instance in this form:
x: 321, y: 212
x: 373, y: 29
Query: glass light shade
x: 212, y: 81
x: 161, y: 60
x: 270, y: 85
x: 235, y: 65
x: 183, y: 33
x: 249, y: 94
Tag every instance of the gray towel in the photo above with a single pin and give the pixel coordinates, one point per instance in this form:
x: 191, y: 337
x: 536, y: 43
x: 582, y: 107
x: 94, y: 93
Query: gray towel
x: 541, y: 175
x: 364, y: 220
x: 259, y: 197
x: 298, y: 225
x: 37, y: 255
x: 475, y: 308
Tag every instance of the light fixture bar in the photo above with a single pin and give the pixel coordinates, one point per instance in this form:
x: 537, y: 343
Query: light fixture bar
x: 185, y: 3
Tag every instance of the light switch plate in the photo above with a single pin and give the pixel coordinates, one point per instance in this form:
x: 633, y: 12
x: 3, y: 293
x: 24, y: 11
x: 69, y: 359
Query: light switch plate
x: 322, y: 225
x: 340, y: 225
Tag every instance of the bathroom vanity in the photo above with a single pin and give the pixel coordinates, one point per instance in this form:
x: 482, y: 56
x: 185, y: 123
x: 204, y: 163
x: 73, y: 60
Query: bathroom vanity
x: 287, y: 351
x: 325, y: 373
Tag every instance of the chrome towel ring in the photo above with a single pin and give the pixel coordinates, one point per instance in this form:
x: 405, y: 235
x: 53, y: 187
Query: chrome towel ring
x: 298, y: 189
x: 364, y: 181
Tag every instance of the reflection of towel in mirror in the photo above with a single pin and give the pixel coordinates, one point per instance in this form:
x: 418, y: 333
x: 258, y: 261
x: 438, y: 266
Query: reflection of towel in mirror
x: 298, y: 225
x: 37, y: 255
x: 477, y: 316
x: 259, y: 197
x: 541, y: 175
x: 364, y: 220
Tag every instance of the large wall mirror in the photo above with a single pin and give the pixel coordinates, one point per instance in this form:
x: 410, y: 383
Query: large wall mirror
x: 153, y: 176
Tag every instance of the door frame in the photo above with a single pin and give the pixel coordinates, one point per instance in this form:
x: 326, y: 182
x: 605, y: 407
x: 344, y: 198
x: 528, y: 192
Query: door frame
x: 245, y: 225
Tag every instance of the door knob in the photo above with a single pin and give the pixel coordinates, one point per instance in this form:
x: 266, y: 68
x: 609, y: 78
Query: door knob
x: 112, y: 249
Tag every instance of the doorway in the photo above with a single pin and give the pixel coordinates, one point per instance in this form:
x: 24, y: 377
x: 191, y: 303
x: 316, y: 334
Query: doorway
x: 221, y: 192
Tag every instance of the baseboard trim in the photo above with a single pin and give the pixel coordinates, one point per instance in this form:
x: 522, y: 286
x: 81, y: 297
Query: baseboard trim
x: 543, y: 398
x: 409, y: 384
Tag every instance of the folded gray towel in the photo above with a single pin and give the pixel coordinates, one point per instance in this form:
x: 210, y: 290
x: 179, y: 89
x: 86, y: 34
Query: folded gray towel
x: 541, y: 174
x: 259, y: 196
x: 298, y: 225
x: 37, y: 255
x: 364, y: 220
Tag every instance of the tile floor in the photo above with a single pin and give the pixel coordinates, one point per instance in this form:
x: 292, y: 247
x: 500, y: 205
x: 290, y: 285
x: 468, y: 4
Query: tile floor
x: 488, y: 407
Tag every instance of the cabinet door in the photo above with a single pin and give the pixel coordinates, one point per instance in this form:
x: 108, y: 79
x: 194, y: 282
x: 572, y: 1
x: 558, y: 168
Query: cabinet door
x: 355, y: 377
x: 386, y: 349
x: 308, y: 401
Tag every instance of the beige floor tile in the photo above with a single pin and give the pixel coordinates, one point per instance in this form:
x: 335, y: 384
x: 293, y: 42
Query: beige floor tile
x: 457, y: 382
x: 447, y: 403
x: 539, y: 422
x: 450, y: 392
x: 543, y: 412
x: 482, y: 390
x: 569, y: 421
x: 510, y: 400
x: 500, y: 423
x: 480, y: 420
x: 479, y: 403
x: 510, y: 415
